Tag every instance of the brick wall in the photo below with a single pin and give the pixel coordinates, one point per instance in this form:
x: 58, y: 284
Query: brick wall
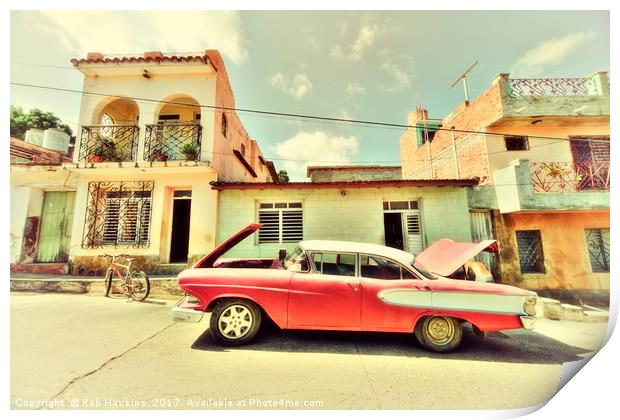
x: 471, y: 155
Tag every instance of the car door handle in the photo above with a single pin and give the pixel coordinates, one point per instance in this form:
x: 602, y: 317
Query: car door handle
x: 354, y: 285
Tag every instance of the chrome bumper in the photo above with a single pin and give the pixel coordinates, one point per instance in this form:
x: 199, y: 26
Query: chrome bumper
x: 185, y: 314
x: 528, y: 322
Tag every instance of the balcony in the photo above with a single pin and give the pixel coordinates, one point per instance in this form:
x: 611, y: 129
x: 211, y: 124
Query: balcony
x: 111, y: 143
x: 583, y: 96
x: 569, y: 177
x: 525, y: 185
x: 172, y: 141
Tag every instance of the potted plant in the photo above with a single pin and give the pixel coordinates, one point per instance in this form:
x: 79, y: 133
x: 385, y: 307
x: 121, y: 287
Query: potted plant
x: 189, y: 150
x: 159, y: 155
x: 98, y: 154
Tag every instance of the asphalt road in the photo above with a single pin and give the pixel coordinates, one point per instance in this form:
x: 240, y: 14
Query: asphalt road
x: 84, y: 351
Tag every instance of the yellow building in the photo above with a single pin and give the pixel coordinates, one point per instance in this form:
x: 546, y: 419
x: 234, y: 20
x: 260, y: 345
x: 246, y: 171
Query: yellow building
x: 155, y: 131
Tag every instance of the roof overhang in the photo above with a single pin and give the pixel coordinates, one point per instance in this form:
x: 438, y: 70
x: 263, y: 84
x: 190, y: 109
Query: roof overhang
x: 401, y: 183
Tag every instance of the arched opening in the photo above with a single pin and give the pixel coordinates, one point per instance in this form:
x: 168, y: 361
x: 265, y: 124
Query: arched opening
x: 114, y: 135
x: 176, y: 133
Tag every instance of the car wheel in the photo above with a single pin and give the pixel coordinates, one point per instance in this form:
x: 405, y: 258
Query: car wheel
x: 234, y: 322
x: 439, y: 333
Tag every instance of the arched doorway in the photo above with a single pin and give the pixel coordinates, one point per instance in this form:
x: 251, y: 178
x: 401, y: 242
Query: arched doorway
x: 114, y: 133
x: 176, y: 133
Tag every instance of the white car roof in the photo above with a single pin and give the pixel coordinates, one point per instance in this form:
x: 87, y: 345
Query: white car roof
x: 402, y: 257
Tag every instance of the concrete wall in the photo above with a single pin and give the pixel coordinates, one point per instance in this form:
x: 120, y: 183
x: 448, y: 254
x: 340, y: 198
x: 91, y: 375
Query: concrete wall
x: 542, y: 149
x: 203, y: 218
x: 355, y: 216
x: 28, y: 187
x: 515, y: 192
x: 566, y: 254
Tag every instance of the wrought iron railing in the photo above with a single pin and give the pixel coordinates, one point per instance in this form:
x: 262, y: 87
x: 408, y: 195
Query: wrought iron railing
x: 172, y: 141
x: 118, y: 214
x: 553, y: 87
x: 115, y: 143
x: 559, y: 177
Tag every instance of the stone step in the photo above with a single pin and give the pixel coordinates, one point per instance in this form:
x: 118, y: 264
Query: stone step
x: 571, y: 312
x: 595, y: 316
x: 552, y: 308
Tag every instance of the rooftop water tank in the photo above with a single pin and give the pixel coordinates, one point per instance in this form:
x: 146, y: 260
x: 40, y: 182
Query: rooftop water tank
x: 56, y: 140
x: 34, y: 136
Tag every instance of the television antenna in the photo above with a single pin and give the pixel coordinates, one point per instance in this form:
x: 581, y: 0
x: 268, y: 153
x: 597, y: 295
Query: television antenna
x: 463, y: 77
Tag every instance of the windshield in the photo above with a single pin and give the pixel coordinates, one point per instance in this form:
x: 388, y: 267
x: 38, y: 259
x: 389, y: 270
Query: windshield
x: 294, y: 260
x: 423, y: 270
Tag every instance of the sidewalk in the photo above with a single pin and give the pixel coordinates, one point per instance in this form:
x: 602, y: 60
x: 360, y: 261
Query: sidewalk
x: 161, y: 285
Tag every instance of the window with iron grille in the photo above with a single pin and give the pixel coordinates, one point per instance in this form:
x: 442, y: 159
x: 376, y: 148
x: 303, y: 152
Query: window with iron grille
x: 531, y: 258
x: 516, y: 142
x: 597, y: 241
x: 118, y: 214
x: 282, y: 223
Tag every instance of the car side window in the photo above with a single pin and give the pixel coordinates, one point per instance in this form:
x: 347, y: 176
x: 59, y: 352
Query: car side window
x: 334, y: 264
x: 375, y: 267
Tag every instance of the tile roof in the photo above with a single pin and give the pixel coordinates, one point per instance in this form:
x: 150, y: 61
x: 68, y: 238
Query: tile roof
x: 148, y: 57
x: 30, y: 154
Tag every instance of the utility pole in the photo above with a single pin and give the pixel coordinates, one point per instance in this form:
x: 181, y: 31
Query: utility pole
x: 463, y: 77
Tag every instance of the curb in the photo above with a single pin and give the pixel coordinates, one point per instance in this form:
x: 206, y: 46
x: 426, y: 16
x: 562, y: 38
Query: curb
x: 160, y: 287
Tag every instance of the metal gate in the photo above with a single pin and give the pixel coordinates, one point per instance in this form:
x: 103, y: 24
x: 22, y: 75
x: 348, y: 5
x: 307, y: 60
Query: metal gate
x: 482, y: 229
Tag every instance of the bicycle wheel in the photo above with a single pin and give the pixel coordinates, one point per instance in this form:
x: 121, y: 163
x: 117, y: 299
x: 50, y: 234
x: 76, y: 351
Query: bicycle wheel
x: 139, y: 285
x: 107, y: 282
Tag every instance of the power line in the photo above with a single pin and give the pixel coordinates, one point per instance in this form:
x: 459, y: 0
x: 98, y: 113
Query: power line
x: 289, y: 115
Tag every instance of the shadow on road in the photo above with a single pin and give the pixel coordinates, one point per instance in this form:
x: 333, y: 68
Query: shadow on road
x: 518, y: 346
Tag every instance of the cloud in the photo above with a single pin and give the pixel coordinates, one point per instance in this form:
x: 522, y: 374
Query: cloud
x: 368, y: 34
x: 316, y: 148
x: 336, y: 52
x: 366, y: 37
x: 133, y: 32
x: 400, y: 72
x: 353, y: 89
x: 551, y: 51
x: 297, y: 87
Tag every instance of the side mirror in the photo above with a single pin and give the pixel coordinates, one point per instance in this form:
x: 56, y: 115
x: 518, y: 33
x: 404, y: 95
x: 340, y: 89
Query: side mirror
x: 282, y: 254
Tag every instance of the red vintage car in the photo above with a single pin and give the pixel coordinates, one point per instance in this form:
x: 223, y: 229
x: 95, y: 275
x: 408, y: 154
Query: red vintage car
x: 336, y: 285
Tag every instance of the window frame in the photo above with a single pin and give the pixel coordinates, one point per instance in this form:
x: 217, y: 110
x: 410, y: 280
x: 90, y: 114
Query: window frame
x: 402, y: 267
x: 525, y: 139
x: 280, y: 211
x: 541, y: 250
x: 315, y: 271
x: 605, y: 252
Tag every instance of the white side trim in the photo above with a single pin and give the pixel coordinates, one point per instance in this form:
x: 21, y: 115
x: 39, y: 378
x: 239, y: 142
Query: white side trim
x: 407, y: 297
x: 456, y: 301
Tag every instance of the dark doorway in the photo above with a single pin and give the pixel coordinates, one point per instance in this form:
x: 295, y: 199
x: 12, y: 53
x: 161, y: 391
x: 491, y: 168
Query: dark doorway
x: 179, y: 240
x: 393, y: 223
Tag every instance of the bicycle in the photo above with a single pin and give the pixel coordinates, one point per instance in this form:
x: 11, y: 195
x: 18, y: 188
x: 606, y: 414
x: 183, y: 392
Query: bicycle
x: 135, y: 283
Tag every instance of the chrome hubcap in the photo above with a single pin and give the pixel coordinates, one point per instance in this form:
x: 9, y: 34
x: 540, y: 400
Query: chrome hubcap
x: 235, y: 322
x: 440, y: 330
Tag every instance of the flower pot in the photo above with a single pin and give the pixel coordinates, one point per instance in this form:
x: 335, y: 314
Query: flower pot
x: 161, y: 158
x: 96, y: 159
x: 190, y: 156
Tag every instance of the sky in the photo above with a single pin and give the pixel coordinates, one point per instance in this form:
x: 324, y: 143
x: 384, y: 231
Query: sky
x: 375, y: 65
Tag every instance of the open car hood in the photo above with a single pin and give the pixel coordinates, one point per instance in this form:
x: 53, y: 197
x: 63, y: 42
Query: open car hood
x: 208, y: 260
x: 445, y: 256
